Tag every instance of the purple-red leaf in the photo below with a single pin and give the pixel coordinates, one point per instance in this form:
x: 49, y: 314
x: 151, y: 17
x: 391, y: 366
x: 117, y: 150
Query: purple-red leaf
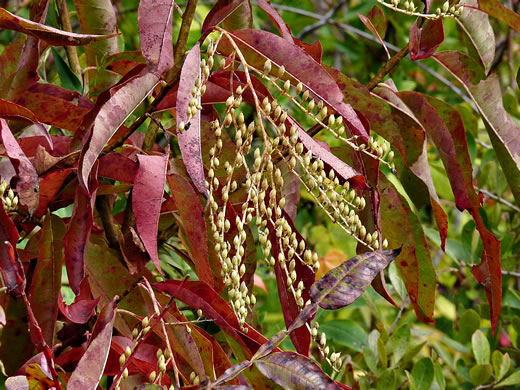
x: 155, y: 33
x: 83, y: 306
x: 78, y: 232
x: 257, y: 46
x: 376, y: 23
x: 426, y: 39
x: 8, y: 233
x: 46, y: 282
x: 234, y: 14
x: 495, y: 9
x: 192, y: 217
x: 275, y: 17
x: 48, y: 34
x: 27, y: 186
x: 444, y: 124
x: 294, y: 371
x: 90, y: 368
x: 189, y: 138
x: 344, y: 284
x: 147, y: 198
x: 111, y: 116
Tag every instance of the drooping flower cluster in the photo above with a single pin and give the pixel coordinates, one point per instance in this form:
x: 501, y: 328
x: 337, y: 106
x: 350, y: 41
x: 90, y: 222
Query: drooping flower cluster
x: 409, y: 8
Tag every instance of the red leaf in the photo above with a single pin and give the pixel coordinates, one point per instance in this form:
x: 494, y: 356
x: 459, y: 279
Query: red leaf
x: 46, y: 281
x: 189, y: 139
x: 55, y: 106
x: 48, y: 34
x: 28, y: 185
x: 83, y: 306
x: 275, y: 17
x: 8, y: 233
x: 147, y: 198
x: 498, y: 11
x: 376, y: 23
x: 235, y: 14
x: 192, y: 217
x: 50, y: 185
x: 111, y: 116
x: 118, y: 167
x: 92, y: 364
x: 444, y: 124
x: 426, y: 39
x: 155, y: 33
x: 257, y: 45
x: 78, y: 232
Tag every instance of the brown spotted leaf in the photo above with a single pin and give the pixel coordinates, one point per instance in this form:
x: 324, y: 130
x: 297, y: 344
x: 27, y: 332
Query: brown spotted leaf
x: 295, y: 372
x: 48, y: 34
x: 155, y: 33
x: 344, y: 284
x: 189, y: 139
x: 27, y: 186
x: 90, y: 368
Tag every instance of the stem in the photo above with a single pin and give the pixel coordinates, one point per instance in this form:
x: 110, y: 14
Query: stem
x: 389, y: 66
x: 72, y: 54
x: 105, y: 212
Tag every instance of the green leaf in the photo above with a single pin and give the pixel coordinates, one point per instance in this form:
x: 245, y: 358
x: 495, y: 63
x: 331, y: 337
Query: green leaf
x: 346, y: 332
x: 469, y: 322
x: 370, y: 359
x: 481, y: 348
x: 387, y: 380
x: 501, y: 364
x: 511, y: 380
x: 398, y: 344
x: 439, y: 376
x: 294, y: 371
x: 67, y: 76
x: 381, y: 351
x: 422, y: 374
x: 480, y: 374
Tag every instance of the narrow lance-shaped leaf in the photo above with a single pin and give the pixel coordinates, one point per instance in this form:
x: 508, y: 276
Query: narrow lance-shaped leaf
x: 424, y: 40
x: 111, y: 116
x: 28, y: 184
x: 257, y: 46
x: 444, y: 124
x: 376, y: 23
x: 294, y: 371
x: 344, y: 284
x: 155, y: 33
x: 147, y: 198
x: 275, y: 17
x: 189, y: 137
x: 497, y: 10
x: 191, y: 213
x: 90, y: 368
x: 486, y: 93
x: 46, y: 282
x: 78, y: 233
x: 48, y: 34
x: 8, y: 233
x: 234, y: 14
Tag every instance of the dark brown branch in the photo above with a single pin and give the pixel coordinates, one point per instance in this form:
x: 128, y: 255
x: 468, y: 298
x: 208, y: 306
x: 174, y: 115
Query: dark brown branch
x: 105, y: 212
x: 389, y: 66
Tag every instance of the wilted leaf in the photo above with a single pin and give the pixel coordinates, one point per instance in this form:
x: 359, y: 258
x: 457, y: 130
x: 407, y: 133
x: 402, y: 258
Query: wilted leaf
x: 28, y: 185
x: 155, y: 33
x: 344, y: 284
x: 189, y: 138
x: 293, y: 371
x: 48, y: 34
x: 46, y: 282
x: 426, y: 39
x: 111, y: 116
x: 92, y: 364
x: 147, y: 198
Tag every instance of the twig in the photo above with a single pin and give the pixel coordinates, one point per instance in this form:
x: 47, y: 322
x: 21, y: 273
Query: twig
x: 107, y: 219
x: 323, y: 21
x: 389, y: 66
x: 498, y: 199
x: 404, y: 306
x: 72, y: 54
x: 511, y: 273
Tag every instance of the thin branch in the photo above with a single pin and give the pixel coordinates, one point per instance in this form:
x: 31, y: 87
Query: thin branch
x: 511, y: 273
x: 498, y: 199
x: 323, y: 21
x: 72, y: 54
x: 105, y: 212
x: 389, y: 66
